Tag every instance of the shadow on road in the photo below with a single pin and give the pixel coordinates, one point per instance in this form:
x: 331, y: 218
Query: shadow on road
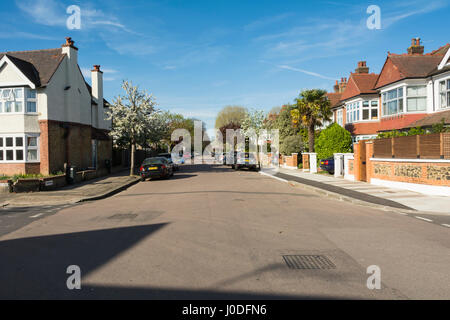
x: 36, y: 267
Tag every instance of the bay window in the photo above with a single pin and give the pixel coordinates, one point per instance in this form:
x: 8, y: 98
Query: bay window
x: 370, y: 110
x: 444, y: 93
x: 392, y: 102
x: 18, y: 100
x: 416, y: 98
x: 19, y: 148
x: 353, y: 110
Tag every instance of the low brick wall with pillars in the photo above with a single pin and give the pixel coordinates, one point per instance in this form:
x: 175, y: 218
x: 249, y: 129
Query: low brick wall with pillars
x: 430, y: 176
x: 420, y: 171
x: 290, y: 161
x: 305, y: 161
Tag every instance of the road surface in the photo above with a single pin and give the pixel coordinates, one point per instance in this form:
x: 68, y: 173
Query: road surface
x: 214, y: 233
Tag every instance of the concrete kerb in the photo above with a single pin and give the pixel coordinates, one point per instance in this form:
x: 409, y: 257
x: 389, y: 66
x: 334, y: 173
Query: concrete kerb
x: 111, y: 192
x: 340, y: 197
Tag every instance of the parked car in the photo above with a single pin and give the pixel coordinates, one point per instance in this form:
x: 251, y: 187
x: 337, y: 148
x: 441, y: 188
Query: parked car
x: 157, y: 167
x: 168, y: 156
x: 245, y: 160
x: 327, y: 165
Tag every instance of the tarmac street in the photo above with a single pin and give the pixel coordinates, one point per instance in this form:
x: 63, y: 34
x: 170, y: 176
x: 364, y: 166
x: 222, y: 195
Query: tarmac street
x: 211, y: 232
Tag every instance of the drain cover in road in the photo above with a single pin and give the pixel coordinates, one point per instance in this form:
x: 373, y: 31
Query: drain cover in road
x: 307, y: 262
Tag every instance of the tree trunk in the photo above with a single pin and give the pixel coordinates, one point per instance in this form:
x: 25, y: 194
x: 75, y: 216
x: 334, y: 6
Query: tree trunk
x: 311, y: 133
x: 133, y: 153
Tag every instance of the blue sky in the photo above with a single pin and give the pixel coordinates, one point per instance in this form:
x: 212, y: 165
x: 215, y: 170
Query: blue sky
x: 197, y: 56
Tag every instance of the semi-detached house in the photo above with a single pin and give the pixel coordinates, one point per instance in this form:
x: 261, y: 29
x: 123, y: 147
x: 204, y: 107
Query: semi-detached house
x: 412, y: 89
x: 50, y: 117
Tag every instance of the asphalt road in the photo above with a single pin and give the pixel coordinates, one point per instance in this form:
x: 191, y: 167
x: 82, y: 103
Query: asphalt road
x: 213, y: 233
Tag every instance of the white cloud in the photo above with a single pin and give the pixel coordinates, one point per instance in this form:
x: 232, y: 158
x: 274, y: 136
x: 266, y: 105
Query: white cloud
x: 53, y: 13
x: 87, y: 73
x: 315, y: 74
x: 424, y: 7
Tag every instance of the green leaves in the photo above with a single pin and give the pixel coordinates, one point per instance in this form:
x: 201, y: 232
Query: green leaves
x: 333, y: 139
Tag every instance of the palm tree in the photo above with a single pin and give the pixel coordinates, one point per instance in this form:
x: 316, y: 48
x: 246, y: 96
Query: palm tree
x: 312, y: 107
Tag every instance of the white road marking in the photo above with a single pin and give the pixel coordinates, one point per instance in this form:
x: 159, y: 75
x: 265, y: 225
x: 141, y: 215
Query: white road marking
x: 446, y: 225
x: 36, y: 215
x: 269, y: 175
x: 424, y: 219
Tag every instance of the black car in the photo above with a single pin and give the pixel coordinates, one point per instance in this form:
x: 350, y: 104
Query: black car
x: 327, y: 165
x: 158, y: 167
x: 168, y: 156
x: 245, y: 160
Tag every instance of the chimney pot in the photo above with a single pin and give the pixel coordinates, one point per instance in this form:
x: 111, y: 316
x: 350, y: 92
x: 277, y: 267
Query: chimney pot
x: 96, y: 68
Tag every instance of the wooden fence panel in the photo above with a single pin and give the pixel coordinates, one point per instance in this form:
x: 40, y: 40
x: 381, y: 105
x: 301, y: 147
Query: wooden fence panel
x: 405, y: 147
x: 382, y: 148
x: 430, y: 146
x: 446, y: 145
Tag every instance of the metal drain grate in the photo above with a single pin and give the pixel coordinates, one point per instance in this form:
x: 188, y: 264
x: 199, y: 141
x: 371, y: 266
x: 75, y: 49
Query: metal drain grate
x: 307, y: 262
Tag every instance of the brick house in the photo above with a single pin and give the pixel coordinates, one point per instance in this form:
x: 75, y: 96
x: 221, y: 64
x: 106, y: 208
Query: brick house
x: 49, y: 116
x: 412, y: 89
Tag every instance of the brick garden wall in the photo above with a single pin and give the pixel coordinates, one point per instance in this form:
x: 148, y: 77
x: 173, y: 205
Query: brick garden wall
x: 437, y: 174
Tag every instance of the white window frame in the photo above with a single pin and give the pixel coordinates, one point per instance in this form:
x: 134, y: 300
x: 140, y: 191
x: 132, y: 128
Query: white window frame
x: 353, y: 112
x: 340, y: 117
x: 371, y: 107
x: 445, y: 93
x: 13, y: 100
x: 24, y: 148
x: 409, y: 97
x: 385, y: 101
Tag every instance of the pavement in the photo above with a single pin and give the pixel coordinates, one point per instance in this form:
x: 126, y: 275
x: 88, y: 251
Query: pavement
x: 211, y: 232
x: 364, y: 192
x: 86, y: 191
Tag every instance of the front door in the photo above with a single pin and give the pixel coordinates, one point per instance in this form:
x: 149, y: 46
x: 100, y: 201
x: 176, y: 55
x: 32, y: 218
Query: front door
x: 362, y: 161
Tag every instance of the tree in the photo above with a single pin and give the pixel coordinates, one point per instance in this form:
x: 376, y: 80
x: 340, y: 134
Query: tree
x: 312, y: 107
x: 134, y: 117
x: 253, y: 120
x: 292, y: 144
x: 333, y: 139
x: 230, y: 115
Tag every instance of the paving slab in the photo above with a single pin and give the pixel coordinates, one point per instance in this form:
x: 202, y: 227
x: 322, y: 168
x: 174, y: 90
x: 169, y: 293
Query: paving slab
x: 86, y: 191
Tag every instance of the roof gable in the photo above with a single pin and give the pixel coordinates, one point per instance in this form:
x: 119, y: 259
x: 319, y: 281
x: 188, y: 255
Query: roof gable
x: 38, y: 66
x: 445, y: 61
x: 389, y: 74
x: 16, y: 72
x: 359, y: 84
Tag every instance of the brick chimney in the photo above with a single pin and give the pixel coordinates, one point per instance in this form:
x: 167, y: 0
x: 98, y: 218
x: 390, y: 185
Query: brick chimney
x: 97, y: 94
x: 342, y: 85
x: 70, y: 50
x: 362, y: 67
x: 416, y: 47
x: 336, y: 87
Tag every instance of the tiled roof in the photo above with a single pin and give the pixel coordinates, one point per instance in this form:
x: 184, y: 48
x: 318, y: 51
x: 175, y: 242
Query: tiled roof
x: 39, y: 65
x: 432, y: 119
x: 335, y: 98
x: 360, y: 83
x: 403, y: 66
